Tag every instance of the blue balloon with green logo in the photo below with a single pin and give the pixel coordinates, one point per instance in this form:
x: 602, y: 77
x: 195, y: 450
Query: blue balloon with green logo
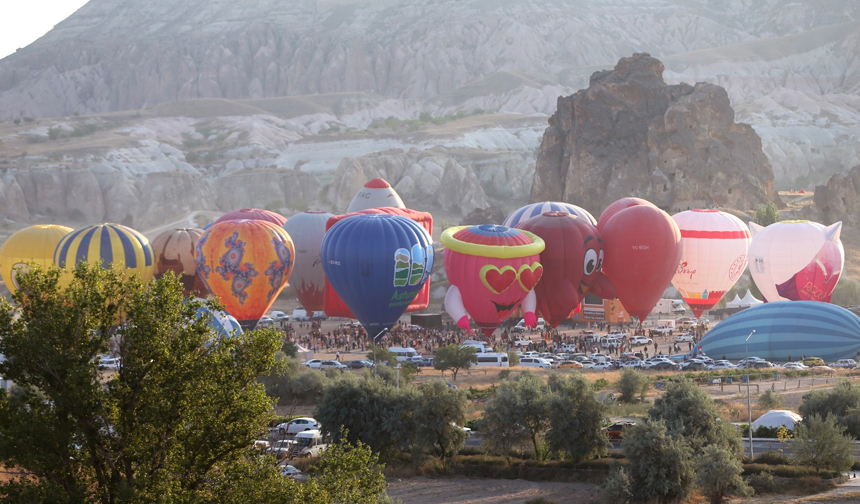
x: 377, y: 263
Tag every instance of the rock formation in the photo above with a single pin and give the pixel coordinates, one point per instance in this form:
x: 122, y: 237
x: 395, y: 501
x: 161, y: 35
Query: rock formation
x: 839, y: 199
x: 630, y: 134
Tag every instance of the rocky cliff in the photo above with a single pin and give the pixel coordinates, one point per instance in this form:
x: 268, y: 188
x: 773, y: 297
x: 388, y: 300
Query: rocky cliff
x: 631, y: 134
x: 839, y: 199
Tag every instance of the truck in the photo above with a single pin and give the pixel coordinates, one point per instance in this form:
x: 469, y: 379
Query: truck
x: 667, y: 306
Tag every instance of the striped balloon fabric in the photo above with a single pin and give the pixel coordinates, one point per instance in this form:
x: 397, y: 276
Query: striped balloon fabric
x: 786, y: 328
x: 108, y: 245
x: 535, y: 209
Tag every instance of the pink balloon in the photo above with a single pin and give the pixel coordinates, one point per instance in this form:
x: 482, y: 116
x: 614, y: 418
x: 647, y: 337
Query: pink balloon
x: 618, y: 206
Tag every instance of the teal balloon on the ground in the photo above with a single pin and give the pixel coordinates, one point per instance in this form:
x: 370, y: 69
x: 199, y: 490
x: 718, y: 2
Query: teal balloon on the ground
x: 787, y: 328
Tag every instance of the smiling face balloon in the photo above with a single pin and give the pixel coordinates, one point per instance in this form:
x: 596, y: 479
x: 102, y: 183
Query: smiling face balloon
x: 796, y: 260
x: 571, y: 260
x: 492, y: 269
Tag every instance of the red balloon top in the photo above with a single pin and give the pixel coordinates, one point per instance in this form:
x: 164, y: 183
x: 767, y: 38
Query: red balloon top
x: 618, y: 206
x: 377, y: 183
x: 254, y: 214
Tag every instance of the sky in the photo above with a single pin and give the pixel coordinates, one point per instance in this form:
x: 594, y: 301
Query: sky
x: 23, y: 21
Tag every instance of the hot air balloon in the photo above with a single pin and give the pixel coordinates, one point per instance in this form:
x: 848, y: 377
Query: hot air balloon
x: 714, y: 248
x: 784, y: 329
x: 254, y: 214
x: 641, y: 244
x: 492, y: 269
x: 175, y: 250
x: 308, y: 279
x: 571, y: 262
x: 375, y: 194
x: 246, y: 263
x: 527, y: 212
x: 619, y: 205
x: 377, y: 263
x: 34, y: 244
x: 223, y: 323
x: 334, y: 305
x: 109, y: 245
x: 796, y: 260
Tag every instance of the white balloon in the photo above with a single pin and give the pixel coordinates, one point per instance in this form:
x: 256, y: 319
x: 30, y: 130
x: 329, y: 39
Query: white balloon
x: 377, y: 193
x: 714, y: 248
x: 307, y: 230
x: 796, y: 260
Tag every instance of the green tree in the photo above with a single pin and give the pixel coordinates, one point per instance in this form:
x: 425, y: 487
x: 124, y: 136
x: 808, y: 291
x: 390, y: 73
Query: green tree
x: 575, y: 418
x: 842, y: 402
x: 616, y: 488
x: 173, y: 424
x: 766, y: 214
x: 349, y: 474
x: 441, y: 411
x: 454, y: 357
x: 513, y: 359
x: 661, y: 467
x: 718, y: 474
x: 632, y: 385
x: 379, y: 354
x: 689, y: 412
x: 770, y: 400
x: 822, y: 444
x: 517, y: 415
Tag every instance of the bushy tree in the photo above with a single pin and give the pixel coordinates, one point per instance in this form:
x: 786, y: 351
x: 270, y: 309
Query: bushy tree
x: 173, y: 424
x: 718, y: 474
x: 441, y: 413
x: 349, y: 474
x: 847, y: 292
x: 842, y: 402
x: 632, y: 385
x: 766, y: 214
x: 517, y: 415
x: 575, y: 418
x: 661, y: 467
x: 454, y: 357
x: 770, y: 400
x: 379, y: 354
x: 690, y: 413
x: 369, y: 411
x: 822, y: 444
x: 616, y: 488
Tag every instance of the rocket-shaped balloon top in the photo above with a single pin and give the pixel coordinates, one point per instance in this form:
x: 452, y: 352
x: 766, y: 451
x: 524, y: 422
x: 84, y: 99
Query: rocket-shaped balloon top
x: 375, y: 194
x: 492, y: 269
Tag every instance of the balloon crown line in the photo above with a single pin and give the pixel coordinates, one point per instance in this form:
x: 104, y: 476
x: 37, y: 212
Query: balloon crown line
x: 452, y: 239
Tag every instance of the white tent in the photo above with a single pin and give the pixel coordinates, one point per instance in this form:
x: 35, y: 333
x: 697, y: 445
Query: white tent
x: 775, y: 418
x: 734, y: 303
x: 749, y: 300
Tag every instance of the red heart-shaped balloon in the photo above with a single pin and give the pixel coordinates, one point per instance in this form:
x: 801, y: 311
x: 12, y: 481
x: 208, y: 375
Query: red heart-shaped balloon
x: 498, y: 280
x: 530, y: 275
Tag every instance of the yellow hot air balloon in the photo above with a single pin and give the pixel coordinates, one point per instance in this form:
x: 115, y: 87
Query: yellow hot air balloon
x: 34, y: 244
x: 106, y: 245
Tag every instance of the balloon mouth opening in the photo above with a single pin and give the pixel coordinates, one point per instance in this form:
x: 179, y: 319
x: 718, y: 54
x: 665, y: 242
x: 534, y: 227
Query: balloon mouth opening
x: 493, y: 228
x: 705, y: 210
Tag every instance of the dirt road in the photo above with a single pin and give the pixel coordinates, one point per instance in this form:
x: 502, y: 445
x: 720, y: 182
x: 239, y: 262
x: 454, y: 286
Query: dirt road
x: 486, y: 491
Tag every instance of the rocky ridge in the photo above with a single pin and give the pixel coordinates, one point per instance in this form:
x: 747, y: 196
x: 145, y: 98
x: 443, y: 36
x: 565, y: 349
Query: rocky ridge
x: 631, y: 134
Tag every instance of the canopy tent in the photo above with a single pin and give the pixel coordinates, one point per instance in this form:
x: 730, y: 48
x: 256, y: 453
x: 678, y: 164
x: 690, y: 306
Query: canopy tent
x: 749, y: 300
x: 775, y: 418
x: 734, y: 303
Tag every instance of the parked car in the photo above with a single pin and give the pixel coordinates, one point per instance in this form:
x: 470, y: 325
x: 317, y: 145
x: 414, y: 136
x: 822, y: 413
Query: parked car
x: 813, y: 361
x: 569, y: 364
x: 603, y: 366
x: 265, y: 321
x: 535, y: 362
x: 695, y: 365
x: 281, y: 448
x: 359, y: 364
x: 331, y: 364
x: 107, y: 362
x: 297, y: 425
x: 279, y: 316
x: 762, y: 365
x: 749, y: 359
x: 616, y: 430
x: 641, y: 340
x: 313, y: 363
x: 663, y: 365
x: 844, y: 364
x: 292, y: 472
x: 795, y: 365
x: 683, y: 337
x: 632, y: 363
x: 722, y: 364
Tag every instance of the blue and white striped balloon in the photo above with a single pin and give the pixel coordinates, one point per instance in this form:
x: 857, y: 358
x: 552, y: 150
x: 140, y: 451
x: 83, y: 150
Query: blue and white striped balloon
x: 535, y: 209
x: 784, y: 328
x: 223, y: 323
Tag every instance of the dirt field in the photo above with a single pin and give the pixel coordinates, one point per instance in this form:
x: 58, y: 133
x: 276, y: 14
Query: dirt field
x: 485, y: 491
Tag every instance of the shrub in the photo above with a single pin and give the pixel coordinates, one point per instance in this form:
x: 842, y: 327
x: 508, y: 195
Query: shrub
x: 773, y: 458
x: 632, y: 385
x: 718, y: 474
x: 822, y: 444
x: 770, y: 400
x: 660, y: 465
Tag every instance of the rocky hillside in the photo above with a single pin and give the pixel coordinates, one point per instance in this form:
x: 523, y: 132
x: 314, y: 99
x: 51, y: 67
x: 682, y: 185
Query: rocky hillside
x: 631, y: 134
x: 790, y: 70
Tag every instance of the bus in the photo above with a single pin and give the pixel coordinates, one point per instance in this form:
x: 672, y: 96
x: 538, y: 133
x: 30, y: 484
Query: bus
x: 492, y: 359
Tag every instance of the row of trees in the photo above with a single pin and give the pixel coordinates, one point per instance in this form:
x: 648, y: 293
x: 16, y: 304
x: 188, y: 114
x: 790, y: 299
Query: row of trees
x: 175, y: 424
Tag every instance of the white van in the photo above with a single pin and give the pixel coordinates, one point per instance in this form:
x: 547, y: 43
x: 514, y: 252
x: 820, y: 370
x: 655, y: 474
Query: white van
x: 300, y: 315
x: 479, y: 346
x: 535, y: 362
x: 495, y: 359
x: 521, y: 325
x: 405, y: 354
x: 308, y: 444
